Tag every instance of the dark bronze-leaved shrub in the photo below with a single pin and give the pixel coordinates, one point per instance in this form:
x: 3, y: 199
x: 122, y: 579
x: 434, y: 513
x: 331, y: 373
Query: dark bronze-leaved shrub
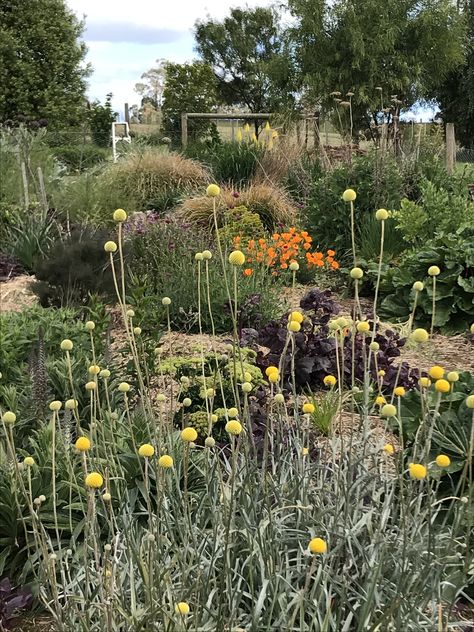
x: 74, y: 269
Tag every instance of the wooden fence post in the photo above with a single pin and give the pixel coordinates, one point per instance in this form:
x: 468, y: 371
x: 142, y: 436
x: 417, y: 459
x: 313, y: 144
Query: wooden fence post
x: 184, y: 130
x: 450, y: 148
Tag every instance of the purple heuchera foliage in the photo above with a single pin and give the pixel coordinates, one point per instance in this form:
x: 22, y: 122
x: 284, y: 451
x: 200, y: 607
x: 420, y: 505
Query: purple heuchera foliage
x: 315, y: 348
x: 11, y: 601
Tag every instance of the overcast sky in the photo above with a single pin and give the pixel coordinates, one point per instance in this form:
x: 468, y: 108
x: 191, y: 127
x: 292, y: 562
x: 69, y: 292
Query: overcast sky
x: 125, y: 37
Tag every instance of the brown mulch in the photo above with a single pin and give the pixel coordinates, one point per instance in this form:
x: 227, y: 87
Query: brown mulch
x: 15, y: 294
x: 39, y: 623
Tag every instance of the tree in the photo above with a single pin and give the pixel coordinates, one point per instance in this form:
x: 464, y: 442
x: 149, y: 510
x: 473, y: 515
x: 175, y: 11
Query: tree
x: 101, y: 118
x: 188, y: 88
x: 455, y: 95
x: 250, y: 59
x: 152, y: 85
x: 357, y: 46
x: 42, y: 75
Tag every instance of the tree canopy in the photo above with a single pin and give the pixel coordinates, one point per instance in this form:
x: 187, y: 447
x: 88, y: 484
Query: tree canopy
x: 247, y: 52
x: 42, y: 75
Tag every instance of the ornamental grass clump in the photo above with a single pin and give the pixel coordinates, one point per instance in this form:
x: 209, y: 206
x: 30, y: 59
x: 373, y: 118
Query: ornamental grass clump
x: 128, y: 518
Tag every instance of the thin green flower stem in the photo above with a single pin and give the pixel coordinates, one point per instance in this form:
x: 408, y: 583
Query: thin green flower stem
x: 433, y: 307
x: 94, y: 361
x: 411, y: 319
x: 221, y: 255
x: 354, y: 260
x: 73, y: 391
x: 203, y: 368
x: 53, y: 478
x: 379, y: 276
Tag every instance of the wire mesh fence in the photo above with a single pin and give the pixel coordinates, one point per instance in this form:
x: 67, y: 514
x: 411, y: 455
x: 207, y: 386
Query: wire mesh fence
x: 465, y: 155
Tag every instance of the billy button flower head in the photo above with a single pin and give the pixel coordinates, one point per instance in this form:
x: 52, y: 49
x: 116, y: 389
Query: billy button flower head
x: 442, y: 460
x: 67, y: 345
x: 453, y: 376
x: 294, y: 266
x: 146, y: 450
x: 90, y: 325
x: 381, y: 215
x: 363, y: 327
x: 424, y: 382
x: 91, y: 386
x: 356, y: 273
x: 329, y: 380
x: 189, y: 434
x: 471, y: 328
x: 206, y: 255
x: 317, y: 546
x: 298, y: 316
x: 436, y: 372
x: 182, y: 607
x: 29, y: 461
x: 420, y: 336
x: 8, y: 418
x: 308, y: 408
x: 209, y: 442
x: 399, y: 391
x: 55, y: 405
x: 213, y: 190
x: 233, y: 427
x: 374, y: 346
x: 246, y: 387
x: 388, y: 448
x: 105, y: 373
x: 418, y: 286
x: 349, y: 195
x: 166, y: 300
x: 94, y: 369
x: 110, y: 246
x: 165, y: 461
x: 470, y: 401
x: 124, y: 387
x: 388, y: 410
x: 232, y: 412
x: 70, y: 404
x: 294, y: 326
x: 434, y: 271
x: 417, y: 471
x: 82, y: 444
x: 119, y: 215
x: 279, y: 398
x: 237, y: 258
x: 442, y: 386
x: 94, y: 480
x: 380, y: 400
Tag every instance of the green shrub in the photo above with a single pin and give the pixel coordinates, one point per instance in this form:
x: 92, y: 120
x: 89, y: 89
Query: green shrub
x: 439, y: 210
x: 161, y: 262
x: 74, y: 269
x: 231, y: 163
x: 77, y: 158
x: 454, y: 311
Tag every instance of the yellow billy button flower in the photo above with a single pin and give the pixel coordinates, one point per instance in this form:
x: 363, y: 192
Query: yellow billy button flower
x: 308, y: 408
x: 110, y: 246
x: 304, y: 451
x: 298, y: 316
x: 363, y: 327
x: 374, y: 346
x: 91, y: 386
x: 182, y: 607
x: 137, y: 331
x: 189, y: 434
x: 213, y: 190
x: 388, y: 410
x: 233, y: 427
x: 246, y: 387
x: 206, y: 255
x: 210, y: 392
x: 124, y: 387
x: 209, y: 442
x: 470, y: 401
x: 82, y: 444
x: 107, y: 497
x: 130, y: 313
x: 9, y: 417
x: 388, y: 448
x: 441, y: 460
x: 273, y: 377
x: 232, y: 412
x: 329, y: 380
x: 381, y: 373
x: 90, y: 325
x: 434, y: 271
x: 187, y: 401
x: 55, y: 405
x: 198, y: 256
x: 105, y: 373
x: 357, y: 273
x: 453, y: 376
x: 70, y: 404
x: 166, y: 301
x: 294, y: 326
x: 380, y: 400
x: 399, y: 391
x: 279, y: 398
x: 471, y: 328
x: 436, y: 372
x: 424, y: 382
x: 418, y: 286
x: 165, y: 461
x: 349, y: 195
x: 417, y: 471
x: 442, y: 386
x: 94, y: 369
x: 294, y: 266
x: 119, y: 215
x: 237, y: 258
x: 67, y: 345
x: 270, y: 369
x: 317, y: 546
x: 146, y: 450
x: 381, y: 214
x: 29, y: 461
x: 420, y: 335
x: 94, y: 480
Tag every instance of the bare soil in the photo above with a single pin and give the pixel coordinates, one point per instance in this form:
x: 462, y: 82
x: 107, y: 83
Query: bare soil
x: 15, y: 294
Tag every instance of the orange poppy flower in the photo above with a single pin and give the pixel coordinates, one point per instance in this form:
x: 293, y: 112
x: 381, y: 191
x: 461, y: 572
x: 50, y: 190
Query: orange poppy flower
x: 334, y: 265
x: 248, y: 272
x: 306, y: 246
x: 331, y: 253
